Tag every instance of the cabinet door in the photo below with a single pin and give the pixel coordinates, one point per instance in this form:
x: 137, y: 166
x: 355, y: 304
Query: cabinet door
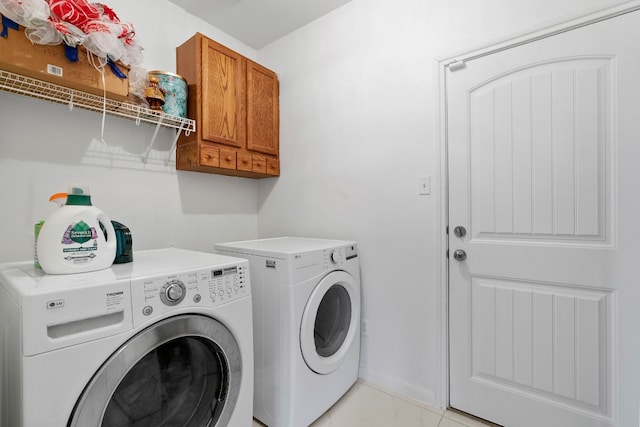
x: 262, y: 109
x: 222, y: 92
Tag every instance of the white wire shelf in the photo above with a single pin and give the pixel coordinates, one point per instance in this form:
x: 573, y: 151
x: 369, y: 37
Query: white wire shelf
x: 16, y: 83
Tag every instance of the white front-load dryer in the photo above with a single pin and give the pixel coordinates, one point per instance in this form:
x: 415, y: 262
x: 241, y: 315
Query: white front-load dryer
x: 166, y: 340
x: 306, y: 301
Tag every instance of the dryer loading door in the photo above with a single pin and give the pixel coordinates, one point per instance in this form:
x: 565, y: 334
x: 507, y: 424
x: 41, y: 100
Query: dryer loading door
x: 330, y: 322
x: 182, y: 371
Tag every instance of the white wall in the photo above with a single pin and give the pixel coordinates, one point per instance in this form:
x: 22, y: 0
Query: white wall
x: 44, y: 148
x: 359, y: 124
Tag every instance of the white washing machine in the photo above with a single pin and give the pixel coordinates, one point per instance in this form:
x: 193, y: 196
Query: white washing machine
x: 163, y: 341
x: 306, y: 301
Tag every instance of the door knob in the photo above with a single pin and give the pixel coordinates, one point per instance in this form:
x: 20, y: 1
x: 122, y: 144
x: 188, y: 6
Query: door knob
x: 460, y: 231
x: 459, y: 255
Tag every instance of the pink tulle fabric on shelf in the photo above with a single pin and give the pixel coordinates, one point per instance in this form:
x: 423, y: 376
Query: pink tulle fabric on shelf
x: 103, y: 33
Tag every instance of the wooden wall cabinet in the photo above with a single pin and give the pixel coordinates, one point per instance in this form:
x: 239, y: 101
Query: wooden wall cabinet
x: 235, y: 103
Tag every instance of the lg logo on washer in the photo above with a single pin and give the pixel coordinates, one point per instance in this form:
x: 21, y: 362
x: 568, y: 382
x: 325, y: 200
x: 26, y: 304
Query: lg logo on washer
x: 58, y: 303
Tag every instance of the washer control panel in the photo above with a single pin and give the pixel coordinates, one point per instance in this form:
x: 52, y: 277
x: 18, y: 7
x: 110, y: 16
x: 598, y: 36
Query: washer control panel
x: 202, y: 288
x: 227, y: 283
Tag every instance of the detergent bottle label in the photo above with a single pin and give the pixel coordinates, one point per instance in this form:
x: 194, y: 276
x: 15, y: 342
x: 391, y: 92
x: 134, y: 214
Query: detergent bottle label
x: 80, y: 243
x: 79, y: 233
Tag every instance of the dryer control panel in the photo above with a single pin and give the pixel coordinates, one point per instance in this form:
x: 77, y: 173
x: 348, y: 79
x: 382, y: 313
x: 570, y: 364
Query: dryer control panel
x: 204, y: 288
x: 339, y: 256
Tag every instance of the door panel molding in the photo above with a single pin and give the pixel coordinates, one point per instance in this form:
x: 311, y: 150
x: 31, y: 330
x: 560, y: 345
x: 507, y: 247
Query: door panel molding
x: 521, y: 152
x: 532, y: 338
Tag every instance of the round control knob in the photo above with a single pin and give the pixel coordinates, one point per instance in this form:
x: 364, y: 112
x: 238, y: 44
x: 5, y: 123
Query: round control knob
x: 172, y: 292
x: 335, y: 257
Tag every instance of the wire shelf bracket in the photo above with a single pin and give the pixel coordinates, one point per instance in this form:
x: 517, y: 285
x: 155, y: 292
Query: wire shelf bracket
x: 34, y: 88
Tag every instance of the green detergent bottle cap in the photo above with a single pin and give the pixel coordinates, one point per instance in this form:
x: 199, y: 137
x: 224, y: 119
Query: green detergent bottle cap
x: 79, y: 195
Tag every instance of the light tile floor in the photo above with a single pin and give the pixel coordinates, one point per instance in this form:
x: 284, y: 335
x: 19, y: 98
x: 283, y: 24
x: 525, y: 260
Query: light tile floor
x: 366, y: 405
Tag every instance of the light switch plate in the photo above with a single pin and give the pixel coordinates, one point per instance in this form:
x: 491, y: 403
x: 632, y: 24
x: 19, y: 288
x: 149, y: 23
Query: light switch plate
x: 424, y: 185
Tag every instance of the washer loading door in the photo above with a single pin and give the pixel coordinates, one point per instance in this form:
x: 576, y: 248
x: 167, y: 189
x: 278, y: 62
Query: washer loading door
x: 330, y: 322
x: 182, y: 371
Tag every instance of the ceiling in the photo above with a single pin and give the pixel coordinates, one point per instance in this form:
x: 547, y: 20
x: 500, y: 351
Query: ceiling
x: 259, y: 22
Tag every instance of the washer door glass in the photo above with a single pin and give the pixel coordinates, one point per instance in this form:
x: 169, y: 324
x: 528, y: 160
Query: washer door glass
x: 330, y: 322
x: 183, y: 371
x: 168, y: 386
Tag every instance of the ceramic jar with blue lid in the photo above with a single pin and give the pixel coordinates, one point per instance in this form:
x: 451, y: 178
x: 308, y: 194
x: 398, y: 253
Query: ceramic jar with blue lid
x: 175, y: 92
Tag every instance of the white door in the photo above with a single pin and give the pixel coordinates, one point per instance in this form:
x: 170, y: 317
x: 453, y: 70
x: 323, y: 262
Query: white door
x: 544, y: 175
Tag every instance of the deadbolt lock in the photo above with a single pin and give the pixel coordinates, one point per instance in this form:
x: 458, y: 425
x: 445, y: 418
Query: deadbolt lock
x: 460, y: 231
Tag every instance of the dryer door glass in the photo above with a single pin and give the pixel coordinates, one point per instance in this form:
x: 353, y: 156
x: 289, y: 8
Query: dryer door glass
x: 182, y: 371
x: 332, y: 321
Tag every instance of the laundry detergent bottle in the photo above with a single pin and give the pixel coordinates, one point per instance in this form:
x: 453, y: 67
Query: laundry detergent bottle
x: 76, y: 238
x: 59, y: 199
